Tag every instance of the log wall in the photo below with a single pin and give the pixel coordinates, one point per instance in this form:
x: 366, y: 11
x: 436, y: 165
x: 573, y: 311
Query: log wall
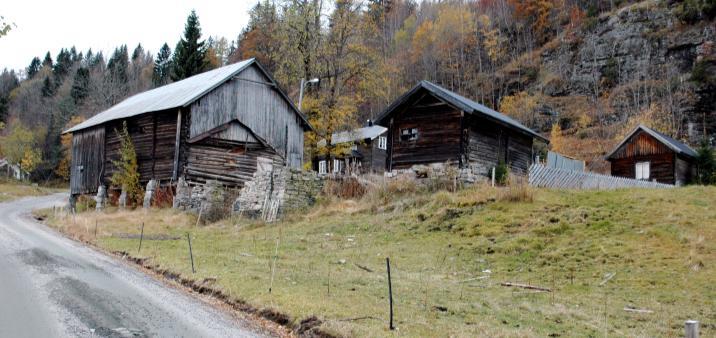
x: 642, y: 147
x: 230, y: 165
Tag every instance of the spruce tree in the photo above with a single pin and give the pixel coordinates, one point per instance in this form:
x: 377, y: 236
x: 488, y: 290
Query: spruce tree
x: 162, y: 66
x: 190, y: 53
x: 80, y: 85
x: 138, y: 52
x: 48, y: 87
x: 47, y: 62
x: 34, y: 67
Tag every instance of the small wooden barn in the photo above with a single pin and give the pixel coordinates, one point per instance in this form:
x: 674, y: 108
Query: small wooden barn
x: 646, y: 154
x: 430, y: 124
x: 365, y: 151
x: 211, y: 126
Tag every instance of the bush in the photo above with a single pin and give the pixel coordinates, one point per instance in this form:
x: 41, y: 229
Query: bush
x: 127, y: 174
x: 517, y: 191
x: 347, y: 188
x: 502, y: 173
x: 691, y: 11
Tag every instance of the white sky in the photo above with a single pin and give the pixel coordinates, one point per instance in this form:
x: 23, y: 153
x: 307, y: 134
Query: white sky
x: 103, y: 25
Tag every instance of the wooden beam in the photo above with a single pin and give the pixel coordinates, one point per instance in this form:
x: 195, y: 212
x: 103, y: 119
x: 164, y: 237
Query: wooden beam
x: 176, y: 146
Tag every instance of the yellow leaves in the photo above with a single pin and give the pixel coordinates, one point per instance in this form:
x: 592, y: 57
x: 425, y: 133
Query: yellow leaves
x: 30, y: 159
x: 492, y: 40
x: 423, y: 39
x: 556, y: 139
x: 521, y: 106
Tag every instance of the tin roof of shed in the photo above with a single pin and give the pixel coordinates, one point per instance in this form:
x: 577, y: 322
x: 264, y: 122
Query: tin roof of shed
x: 178, y: 94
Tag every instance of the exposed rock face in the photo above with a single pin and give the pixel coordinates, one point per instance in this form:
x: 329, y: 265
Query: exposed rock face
x: 639, y: 54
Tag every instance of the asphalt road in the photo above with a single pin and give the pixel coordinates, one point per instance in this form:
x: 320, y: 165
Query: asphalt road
x: 51, y: 286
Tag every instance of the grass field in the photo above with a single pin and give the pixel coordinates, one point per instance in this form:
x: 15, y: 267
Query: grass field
x: 10, y: 190
x: 449, y: 254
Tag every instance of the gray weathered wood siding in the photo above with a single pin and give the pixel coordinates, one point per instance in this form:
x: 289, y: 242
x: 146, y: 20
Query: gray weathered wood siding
x: 230, y: 165
x: 684, y: 170
x: 153, y: 136
x: 257, y: 105
x: 87, y: 160
x: 489, y: 143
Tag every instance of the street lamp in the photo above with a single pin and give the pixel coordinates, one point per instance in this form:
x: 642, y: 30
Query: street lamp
x: 303, y: 85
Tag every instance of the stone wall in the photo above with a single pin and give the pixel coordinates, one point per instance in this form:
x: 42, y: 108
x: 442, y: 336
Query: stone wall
x: 443, y: 171
x: 276, y: 190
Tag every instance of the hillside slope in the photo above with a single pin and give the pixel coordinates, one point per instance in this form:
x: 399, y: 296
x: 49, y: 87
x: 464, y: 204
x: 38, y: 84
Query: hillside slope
x: 450, y: 252
x: 641, y: 63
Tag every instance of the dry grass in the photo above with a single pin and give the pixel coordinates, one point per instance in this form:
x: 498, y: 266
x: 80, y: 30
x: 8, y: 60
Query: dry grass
x: 10, y: 190
x: 449, y: 252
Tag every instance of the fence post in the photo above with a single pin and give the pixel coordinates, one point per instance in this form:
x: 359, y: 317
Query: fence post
x: 390, y: 292
x: 95, y: 229
x: 692, y: 329
x: 191, y: 255
x: 141, y: 237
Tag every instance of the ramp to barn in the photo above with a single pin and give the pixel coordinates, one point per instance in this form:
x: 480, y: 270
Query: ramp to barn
x: 545, y: 177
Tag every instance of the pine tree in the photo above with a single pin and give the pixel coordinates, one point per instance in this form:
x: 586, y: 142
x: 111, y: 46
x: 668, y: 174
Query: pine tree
x: 162, y: 66
x: 138, y: 52
x: 48, y: 87
x: 63, y: 64
x: 34, y: 67
x: 47, y: 62
x: 80, y: 86
x: 190, y: 53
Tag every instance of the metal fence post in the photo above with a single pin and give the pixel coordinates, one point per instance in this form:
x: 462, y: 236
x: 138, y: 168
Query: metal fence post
x: 692, y: 329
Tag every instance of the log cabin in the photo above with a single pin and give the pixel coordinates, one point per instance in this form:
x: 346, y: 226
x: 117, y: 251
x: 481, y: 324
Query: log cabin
x: 430, y: 124
x: 211, y: 126
x: 364, y: 151
x: 646, y: 154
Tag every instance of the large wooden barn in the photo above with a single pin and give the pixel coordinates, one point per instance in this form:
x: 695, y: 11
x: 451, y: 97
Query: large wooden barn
x: 430, y: 124
x: 646, y: 154
x: 211, y: 126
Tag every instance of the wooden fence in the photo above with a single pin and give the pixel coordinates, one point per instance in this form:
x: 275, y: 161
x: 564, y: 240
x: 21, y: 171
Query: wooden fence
x: 546, y: 177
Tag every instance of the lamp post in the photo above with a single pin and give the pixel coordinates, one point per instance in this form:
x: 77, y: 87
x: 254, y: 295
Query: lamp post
x: 303, y: 86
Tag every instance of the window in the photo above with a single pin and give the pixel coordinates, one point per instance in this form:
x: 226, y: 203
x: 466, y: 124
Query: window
x: 642, y: 170
x: 337, y: 164
x: 383, y: 142
x: 409, y: 134
x: 322, y: 167
x: 354, y: 147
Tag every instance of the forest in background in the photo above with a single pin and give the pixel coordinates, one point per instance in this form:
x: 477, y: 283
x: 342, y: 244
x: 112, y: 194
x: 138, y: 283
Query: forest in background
x: 583, y: 72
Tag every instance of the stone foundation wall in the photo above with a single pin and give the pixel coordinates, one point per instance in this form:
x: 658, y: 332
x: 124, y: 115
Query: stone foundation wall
x: 276, y: 190
x: 447, y: 171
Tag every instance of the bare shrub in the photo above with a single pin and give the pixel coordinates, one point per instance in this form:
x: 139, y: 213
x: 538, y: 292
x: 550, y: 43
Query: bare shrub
x: 163, y: 197
x: 346, y: 188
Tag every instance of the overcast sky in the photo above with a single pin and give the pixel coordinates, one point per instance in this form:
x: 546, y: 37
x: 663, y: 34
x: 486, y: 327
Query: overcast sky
x: 51, y: 25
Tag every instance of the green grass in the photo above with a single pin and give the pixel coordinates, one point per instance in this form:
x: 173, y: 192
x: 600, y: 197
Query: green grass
x: 11, y: 190
x: 661, y: 245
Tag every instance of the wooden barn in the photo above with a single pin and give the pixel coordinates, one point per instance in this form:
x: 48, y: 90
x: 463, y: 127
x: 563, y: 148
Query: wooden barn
x: 211, y: 126
x: 365, y: 151
x: 646, y: 154
x: 430, y: 124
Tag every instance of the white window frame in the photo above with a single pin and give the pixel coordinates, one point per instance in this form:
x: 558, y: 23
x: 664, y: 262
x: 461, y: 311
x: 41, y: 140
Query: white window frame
x: 322, y: 167
x: 383, y: 142
x: 642, y: 170
x: 354, y: 147
x: 337, y: 164
x: 408, y: 134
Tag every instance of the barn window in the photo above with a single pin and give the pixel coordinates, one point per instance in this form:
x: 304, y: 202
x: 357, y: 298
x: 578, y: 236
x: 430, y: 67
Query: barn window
x: 409, y: 134
x: 383, y: 142
x: 322, y: 167
x: 642, y: 170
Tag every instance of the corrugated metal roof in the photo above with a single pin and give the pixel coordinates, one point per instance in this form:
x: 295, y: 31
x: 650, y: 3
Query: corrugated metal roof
x: 178, y: 94
x: 462, y: 103
x: 674, y: 145
x: 358, y: 134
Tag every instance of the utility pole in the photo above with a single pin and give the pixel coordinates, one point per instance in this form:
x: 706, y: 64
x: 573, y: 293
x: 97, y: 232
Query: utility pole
x: 304, y: 83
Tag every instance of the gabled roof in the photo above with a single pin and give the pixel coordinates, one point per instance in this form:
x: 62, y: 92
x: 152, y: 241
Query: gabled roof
x: 674, y: 145
x: 462, y: 103
x: 178, y: 94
